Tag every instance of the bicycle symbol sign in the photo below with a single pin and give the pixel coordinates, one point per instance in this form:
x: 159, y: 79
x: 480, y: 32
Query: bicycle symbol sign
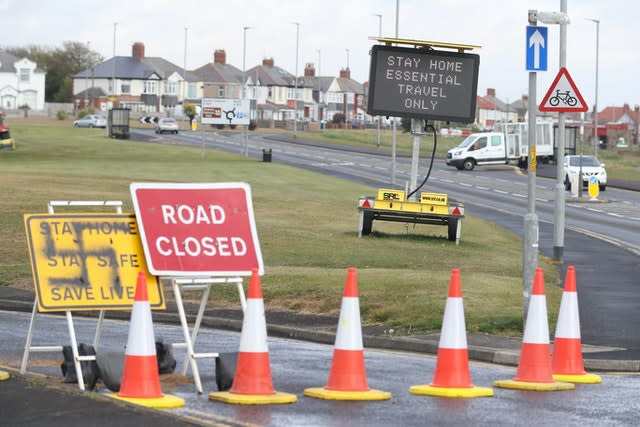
x: 563, y: 95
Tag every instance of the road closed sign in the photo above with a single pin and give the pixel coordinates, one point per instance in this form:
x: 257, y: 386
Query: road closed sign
x: 87, y: 262
x: 197, y: 229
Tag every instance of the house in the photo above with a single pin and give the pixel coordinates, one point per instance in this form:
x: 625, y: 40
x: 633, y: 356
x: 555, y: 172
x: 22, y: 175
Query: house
x: 220, y: 80
x: 277, y: 93
x: 490, y: 109
x: 21, y: 83
x: 137, y: 82
x: 336, y: 95
x: 616, y: 122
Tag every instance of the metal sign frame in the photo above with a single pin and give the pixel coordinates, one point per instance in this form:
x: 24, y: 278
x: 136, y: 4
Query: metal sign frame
x: 28, y: 348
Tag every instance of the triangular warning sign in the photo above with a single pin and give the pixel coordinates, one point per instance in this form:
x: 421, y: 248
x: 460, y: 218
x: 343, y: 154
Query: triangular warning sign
x: 366, y: 204
x: 563, y: 95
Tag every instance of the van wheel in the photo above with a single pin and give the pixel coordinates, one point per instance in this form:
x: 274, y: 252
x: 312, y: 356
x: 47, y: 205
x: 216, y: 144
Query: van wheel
x: 469, y: 164
x: 452, y: 228
x: 567, y: 183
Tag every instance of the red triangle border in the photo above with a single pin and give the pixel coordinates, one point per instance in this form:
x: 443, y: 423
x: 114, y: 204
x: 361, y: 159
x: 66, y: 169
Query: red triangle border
x: 582, y: 105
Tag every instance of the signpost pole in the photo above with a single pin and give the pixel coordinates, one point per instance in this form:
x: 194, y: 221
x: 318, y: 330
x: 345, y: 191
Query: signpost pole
x: 530, y: 241
x: 558, y: 222
x: 416, y: 130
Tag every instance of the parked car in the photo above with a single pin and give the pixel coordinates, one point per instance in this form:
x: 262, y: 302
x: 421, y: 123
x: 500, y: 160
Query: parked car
x: 91, y: 121
x: 591, y: 166
x: 167, y: 124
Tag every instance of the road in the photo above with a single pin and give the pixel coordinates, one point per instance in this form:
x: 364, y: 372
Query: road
x: 298, y: 365
x: 607, y: 265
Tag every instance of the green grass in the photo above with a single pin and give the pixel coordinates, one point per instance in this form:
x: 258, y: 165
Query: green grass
x: 306, y: 224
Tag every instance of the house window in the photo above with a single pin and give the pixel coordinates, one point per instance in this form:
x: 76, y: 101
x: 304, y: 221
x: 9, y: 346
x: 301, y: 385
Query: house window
x: 150, y: 86
x: 293, y: 93
x: 170, y: 88
x: 25, y: 75
x: 220, y: 91
x: 191, y: 92
x: 125, y: 87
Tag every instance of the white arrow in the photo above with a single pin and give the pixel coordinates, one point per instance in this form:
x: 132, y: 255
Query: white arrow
x: 537, y: 41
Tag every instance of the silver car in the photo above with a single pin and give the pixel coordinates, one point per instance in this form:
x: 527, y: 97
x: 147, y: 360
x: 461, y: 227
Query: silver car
x: 91, y: 121
x: 167, y: 124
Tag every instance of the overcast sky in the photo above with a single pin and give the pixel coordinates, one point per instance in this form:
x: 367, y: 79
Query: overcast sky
x: 332, y: 32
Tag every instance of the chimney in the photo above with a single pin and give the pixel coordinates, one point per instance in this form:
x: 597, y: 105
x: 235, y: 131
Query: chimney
x: 309, y: 70
x: 491, y: 92
x: 220, y: 57
x: 268, y: 62
x: 345, y: 73
x: 626, y: 108
x: 137, y: 51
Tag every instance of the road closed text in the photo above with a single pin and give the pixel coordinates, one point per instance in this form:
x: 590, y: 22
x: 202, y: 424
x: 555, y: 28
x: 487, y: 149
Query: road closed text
x: 210, y: 217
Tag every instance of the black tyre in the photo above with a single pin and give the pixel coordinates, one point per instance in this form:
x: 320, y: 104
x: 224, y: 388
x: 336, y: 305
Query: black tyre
x: 567, y: 183
x: 367, y: 223
x: 603, y: 187
x: 469, y: 164
x: 452, y: 229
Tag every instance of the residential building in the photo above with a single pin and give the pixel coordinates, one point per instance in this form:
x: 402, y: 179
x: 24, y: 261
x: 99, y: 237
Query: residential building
x: 220, y: 80
x: 617, y: 122
x: 22, y: 83
x: 490, y: 109
x: 137, y: 82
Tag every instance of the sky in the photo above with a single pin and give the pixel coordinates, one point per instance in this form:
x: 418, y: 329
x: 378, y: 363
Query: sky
x: 332, y: 34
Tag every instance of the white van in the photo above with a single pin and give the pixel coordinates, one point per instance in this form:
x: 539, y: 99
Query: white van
x: 507, y: 143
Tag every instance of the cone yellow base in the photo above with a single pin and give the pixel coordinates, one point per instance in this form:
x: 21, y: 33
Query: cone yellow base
x: 165, y: 402
x: 323, y: 393
x: 580, y: 378
x: 530, y: 386
x: 467, y: 392
x: 253, y: 399
x: 4, y: 376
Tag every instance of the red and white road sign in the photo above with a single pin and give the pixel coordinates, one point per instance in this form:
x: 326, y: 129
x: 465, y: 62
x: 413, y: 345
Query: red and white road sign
x: 197, y: 229
x: 563, y: 95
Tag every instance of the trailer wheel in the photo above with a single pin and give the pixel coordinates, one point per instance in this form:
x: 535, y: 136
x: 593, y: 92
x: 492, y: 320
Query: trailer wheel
x: 452, y: 229
x: 469, y: 164
x: 367, y: 223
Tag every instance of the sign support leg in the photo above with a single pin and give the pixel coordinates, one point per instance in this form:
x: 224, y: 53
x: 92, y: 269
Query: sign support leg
x: 196, y: 326
x: 187, y: 337
x: 27, y: 346
x: 74, y: 349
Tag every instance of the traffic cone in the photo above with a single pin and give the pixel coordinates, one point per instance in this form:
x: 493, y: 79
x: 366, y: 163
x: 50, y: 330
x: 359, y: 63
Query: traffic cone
x: 252, y: 383
x: 452, y: 377
x: 567, y: 364
x: 534, y: 367
x: 140, y: 379
x: 348, y: 378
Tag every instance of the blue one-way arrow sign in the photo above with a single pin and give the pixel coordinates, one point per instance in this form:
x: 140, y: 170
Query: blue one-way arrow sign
x: 536, y: 48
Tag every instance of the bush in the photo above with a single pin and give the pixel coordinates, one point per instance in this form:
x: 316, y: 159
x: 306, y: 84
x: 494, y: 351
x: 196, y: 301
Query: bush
x: 220, y: 126
x: 61, y: 115
x: 338, y: 118
x: 253, y: 125
x: 86, y: 111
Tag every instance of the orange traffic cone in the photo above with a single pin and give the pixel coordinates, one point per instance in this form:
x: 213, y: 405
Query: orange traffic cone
x: 534, y: 367
x: 348, y: 378
x: 567, y: 364
x: 252, y: 383
x: 452, y: 377
x: 140, y: 379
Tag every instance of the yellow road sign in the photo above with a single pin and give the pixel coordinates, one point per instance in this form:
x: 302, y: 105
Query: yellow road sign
x: 87, y: 261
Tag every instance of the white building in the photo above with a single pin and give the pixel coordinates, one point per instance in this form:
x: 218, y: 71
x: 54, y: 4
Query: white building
x: 21, y: 83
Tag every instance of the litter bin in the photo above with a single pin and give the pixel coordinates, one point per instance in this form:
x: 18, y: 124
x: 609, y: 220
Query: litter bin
x: 266, y: 155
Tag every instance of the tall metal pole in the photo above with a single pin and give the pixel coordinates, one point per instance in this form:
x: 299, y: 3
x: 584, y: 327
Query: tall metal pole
x: 184, y: 70
x: 113, y: 67
x: 295, y: 92
x: 86, y: 79
x: 558, y: 223
x: 379, y: 117
x: 530, y: 241
x: 346, y: 101
x: 245, y: 135
x: 394, y: 137
x: 596, y: 137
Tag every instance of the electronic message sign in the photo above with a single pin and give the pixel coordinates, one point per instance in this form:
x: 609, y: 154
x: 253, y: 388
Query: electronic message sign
x: 423, y: 83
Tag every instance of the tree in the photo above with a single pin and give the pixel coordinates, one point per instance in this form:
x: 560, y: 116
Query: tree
x: 189, y: 110
x: 61, y: 64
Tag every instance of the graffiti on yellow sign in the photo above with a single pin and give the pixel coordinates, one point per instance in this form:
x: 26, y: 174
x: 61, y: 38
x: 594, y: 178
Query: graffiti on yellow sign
x: 87, y: 261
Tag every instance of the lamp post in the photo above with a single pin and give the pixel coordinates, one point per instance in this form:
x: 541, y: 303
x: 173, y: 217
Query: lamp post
x: 596, y: 137
x: 113, y: 67
x: 244, y: 87
x: 86, y: 79
x: 379, y: 118
x: 346, y: 96
x: 295, y: 80
x: 394, y: 133
x: 184, y: 70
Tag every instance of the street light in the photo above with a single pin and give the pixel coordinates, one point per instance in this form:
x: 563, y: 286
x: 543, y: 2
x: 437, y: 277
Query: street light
x: 596, y: 137
x: 295, y: 79
x: 379, y: 117
x: 86, y: 79
x: 244, y: 87
x: 113, y: 67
